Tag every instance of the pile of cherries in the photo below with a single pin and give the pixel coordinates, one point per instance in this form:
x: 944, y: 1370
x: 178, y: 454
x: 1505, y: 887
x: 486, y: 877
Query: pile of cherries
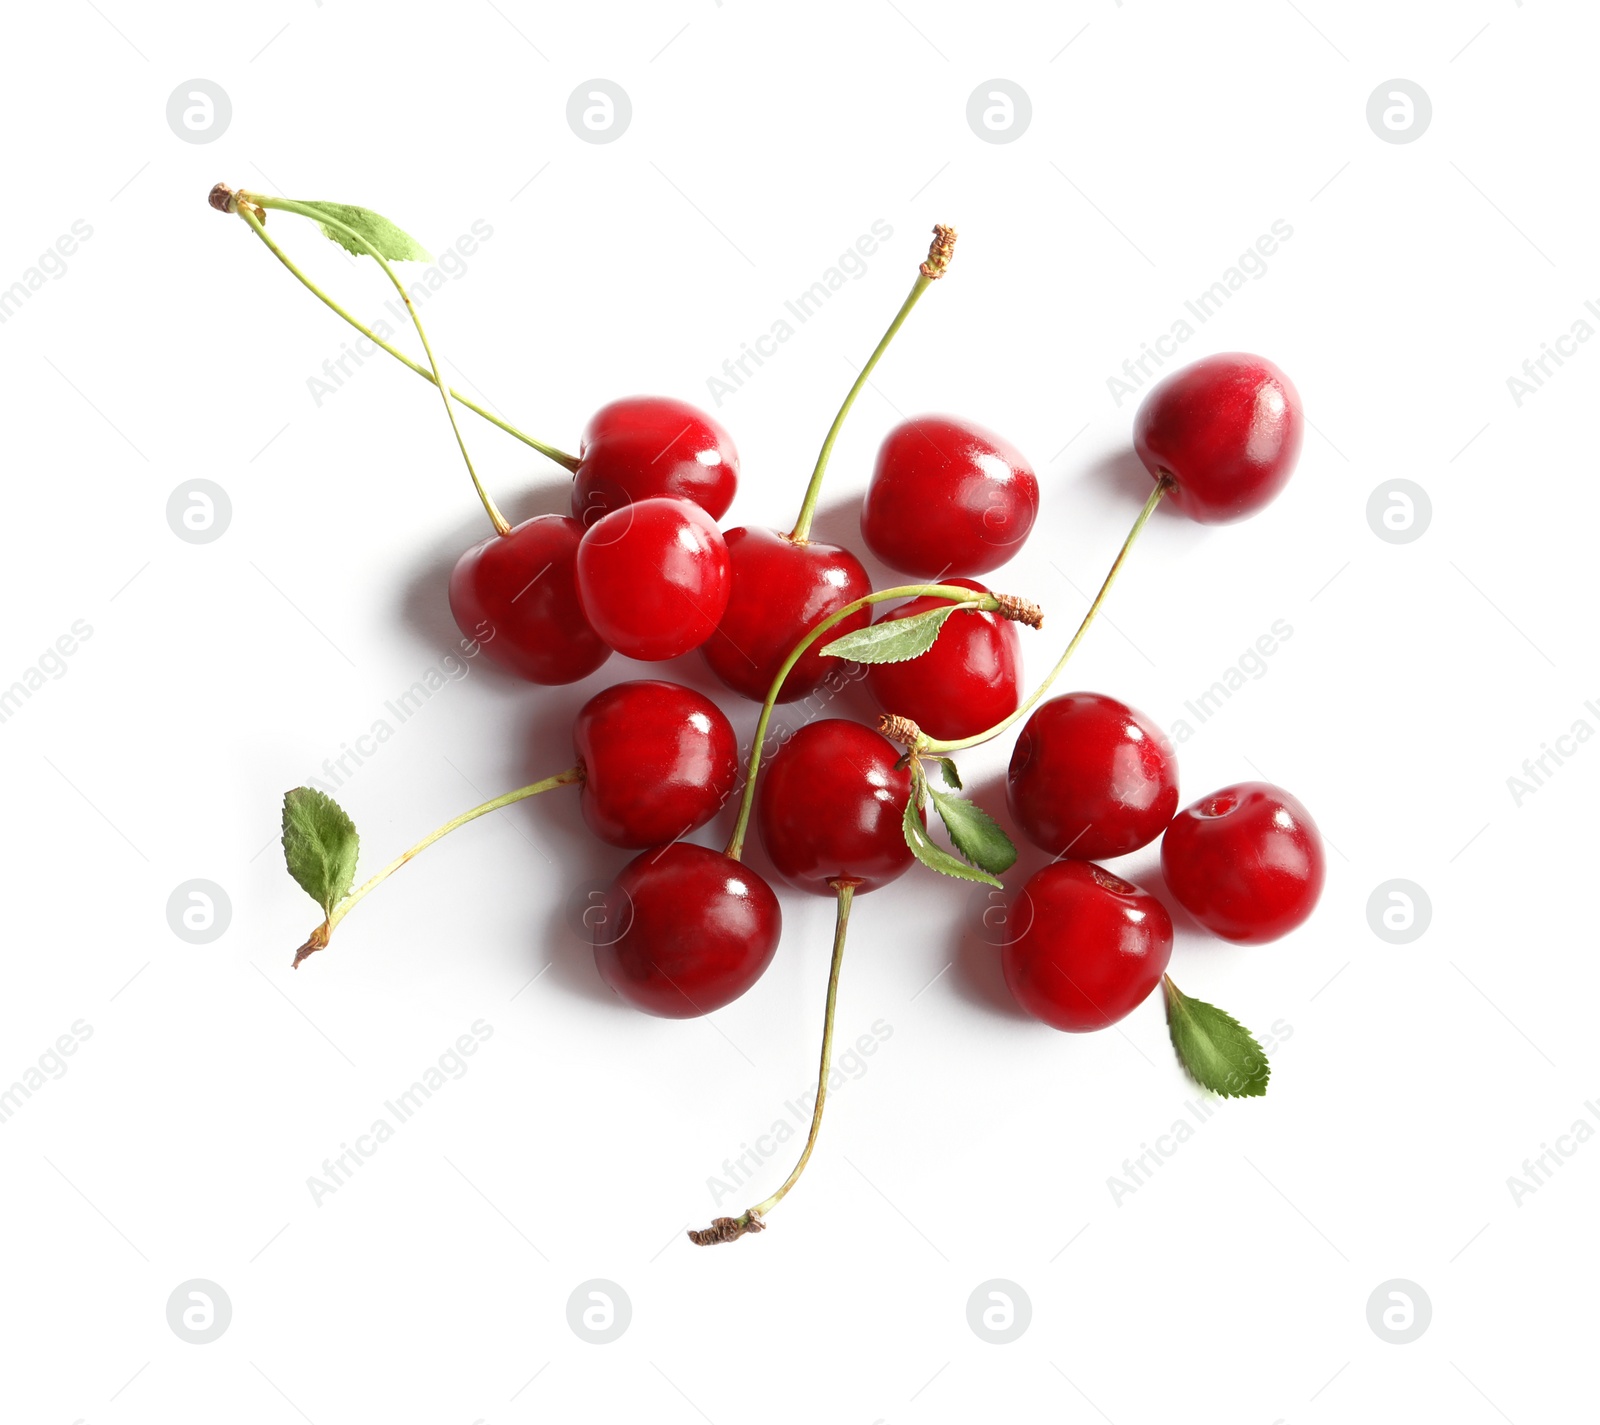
x: 640, y: 567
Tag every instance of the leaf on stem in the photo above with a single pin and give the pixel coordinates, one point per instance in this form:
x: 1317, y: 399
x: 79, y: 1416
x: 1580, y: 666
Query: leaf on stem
x: 319, y: 845
x: 947, y: 766
x: 934, y: 857
x: 895, y: 640
x: 393, y: 242
x: 1216, y: 1051
x: 974, y: 833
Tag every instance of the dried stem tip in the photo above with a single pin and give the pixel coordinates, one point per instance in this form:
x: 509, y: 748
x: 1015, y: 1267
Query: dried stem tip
x: 221, y: 198
x: 318, y: 940
x: 899, y: 729
x: 940, y: 251
x: 1019, y: 610
x: 727, y: 1229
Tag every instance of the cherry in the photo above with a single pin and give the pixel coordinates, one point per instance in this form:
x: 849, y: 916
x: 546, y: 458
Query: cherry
x: 686, y: 930
x: 653, y: 577
x: 1091, y: 948
x: 658, y: 760
x: 781, y: 587
x: 1246, y: 862
x: 516, y: 595
x: 1091, y: 778
x: 965, y: 683
x: 1225, y: 432
x: 642, y: 447
x: 830, y: 808
x: 948, y: 497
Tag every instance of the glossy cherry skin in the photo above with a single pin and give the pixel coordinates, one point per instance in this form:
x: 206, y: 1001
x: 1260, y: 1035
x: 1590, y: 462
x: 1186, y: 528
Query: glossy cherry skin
x: 782, y: 588
x: 1091, y: 947
x: 829, y: 808
x: 658, y: 761
x: 685, y: 930
x: 654, y: 578
x: 1246, y: 862
x: 645, y: 446
x: 1227, y: 429
x: 948, y: 497
x: 516, y: 595
x: 965, y: 683
x: 1091, y: 778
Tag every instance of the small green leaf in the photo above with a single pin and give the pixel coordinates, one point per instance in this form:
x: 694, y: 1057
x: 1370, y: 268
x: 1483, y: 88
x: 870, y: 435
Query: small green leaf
x: 895, y: 640
x: 1216, y: 1051
x: 935, y: 857
x: 319, y: 845
x: 974, y: 833
x: 947, y: 766
x: 394, y: 243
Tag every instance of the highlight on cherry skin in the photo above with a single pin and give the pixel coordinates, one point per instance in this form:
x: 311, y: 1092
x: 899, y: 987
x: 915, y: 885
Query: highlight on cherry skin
x: 1090, y: 949
x: 1246, y: 862
x: 654, y: 578
x: 685, y: 931
x: 1091, y: 778
x: 1225, y: 432
x: 965, y: 683
x: 642, y: 447
x: 830, y: 808
x: 516, y: 596
x: 948, y: 497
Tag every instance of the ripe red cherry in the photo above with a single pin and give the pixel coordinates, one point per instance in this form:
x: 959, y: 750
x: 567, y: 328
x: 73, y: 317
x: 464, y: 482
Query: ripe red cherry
x: 1091, y: 947
x: 1246, y: 862
x: 516, y: 595
x: 966, y: 683
x: 782, y: 588
x: 658, y: 761
x: 948, y: 497
x: 645, y: 446
x: 829, y: 808
x: 1091, y: 778
x: 1227, y: 430
x: 654, y: 578
x: 685, y: 930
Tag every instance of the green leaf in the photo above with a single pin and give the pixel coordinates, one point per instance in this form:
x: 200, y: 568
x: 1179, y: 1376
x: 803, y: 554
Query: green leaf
x: 948, y: 767
x: 895, y: 640
x: 319, y: 845
x: 394, y: 243
x: 1216, y: 1051
x: 974, y: 833
x: 935, y: 857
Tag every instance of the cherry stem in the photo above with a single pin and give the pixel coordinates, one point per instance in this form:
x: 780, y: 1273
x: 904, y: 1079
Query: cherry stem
x: 726, y: 1229
x: 319, y: 937
x: 938, y: 260
x: 934, y: 744
x: 954, y: 592
x: 288, y: 205
x: 570, y: 462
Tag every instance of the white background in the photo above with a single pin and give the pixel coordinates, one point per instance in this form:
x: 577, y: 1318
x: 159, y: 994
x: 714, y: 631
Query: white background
x: 1165, y: 139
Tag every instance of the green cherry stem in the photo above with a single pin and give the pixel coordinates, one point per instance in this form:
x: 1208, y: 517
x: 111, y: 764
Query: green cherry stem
x: 954, y: 592
x: 939, y: 253
x: 287, y: 205
x: 728, y: 1229
x: 560, y: 457
x: 319, y: 937
x: 927, y: 744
